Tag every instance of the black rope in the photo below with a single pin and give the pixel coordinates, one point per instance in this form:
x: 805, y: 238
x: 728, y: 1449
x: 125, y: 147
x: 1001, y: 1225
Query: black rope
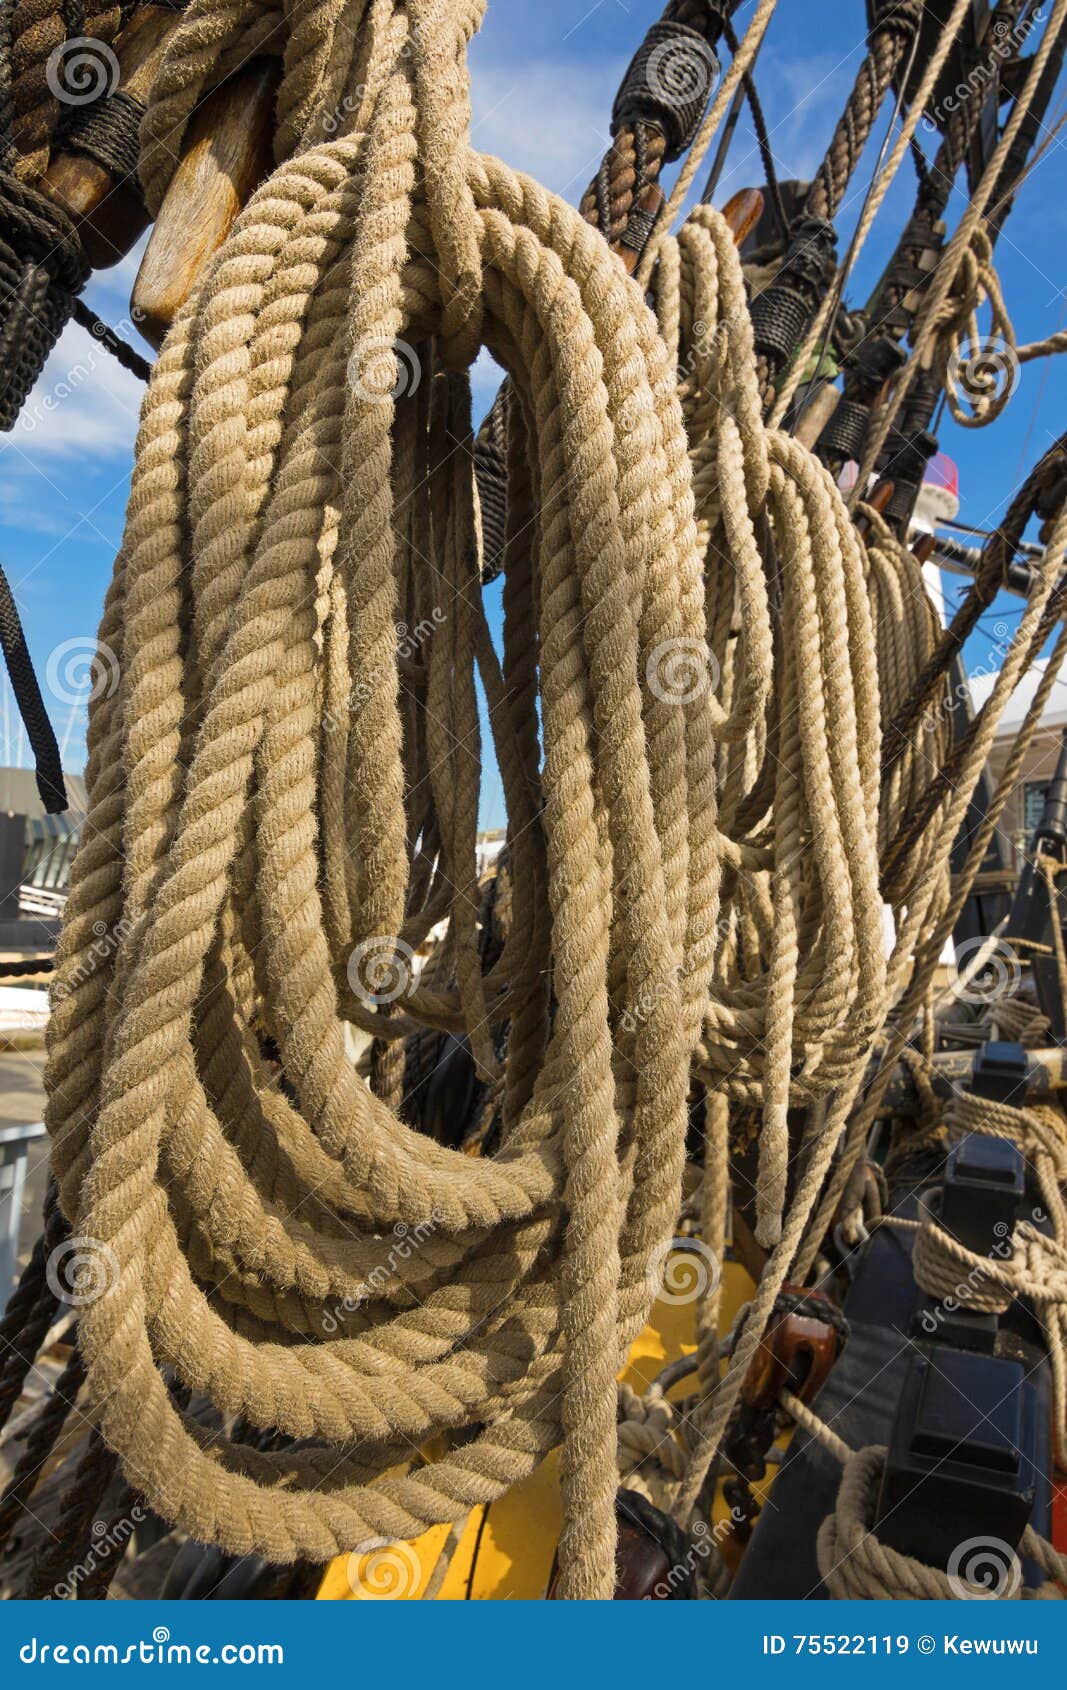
x: 110, y: 132
x: 26, y: 967
x: 43, y: 744
x: 127, y: 356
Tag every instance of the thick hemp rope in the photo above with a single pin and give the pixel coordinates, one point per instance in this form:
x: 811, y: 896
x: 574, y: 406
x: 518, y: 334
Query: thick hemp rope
x: 977, y: 370
x: 793, y: 697
x: 857, y: 1567
x: 279, y: 801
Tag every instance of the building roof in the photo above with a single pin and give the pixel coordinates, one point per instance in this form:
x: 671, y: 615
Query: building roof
x: 1055, y: 713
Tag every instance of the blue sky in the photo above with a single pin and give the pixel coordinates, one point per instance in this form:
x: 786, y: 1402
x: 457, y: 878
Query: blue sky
x: 544, y: 77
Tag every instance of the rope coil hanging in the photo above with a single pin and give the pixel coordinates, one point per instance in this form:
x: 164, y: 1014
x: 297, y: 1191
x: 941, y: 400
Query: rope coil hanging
x: 687, y: 714
x: 307, y: 510
x: 281, y: 810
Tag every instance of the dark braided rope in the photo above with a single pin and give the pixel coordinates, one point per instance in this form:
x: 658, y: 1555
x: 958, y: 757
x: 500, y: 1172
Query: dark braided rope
x: 807, y: 1305
x: 48, y: 765
x: 40, y: 1442
x: 24, y: 1298
x: 30, y: 1313
x: 120, y: 349
x: 673, y: 1541
x: 25, y: 967
x: 71, y: 1545
x: 95, y: 1586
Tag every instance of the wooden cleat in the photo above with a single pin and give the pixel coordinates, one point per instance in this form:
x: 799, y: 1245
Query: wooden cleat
x: 742, y: 212
x: 228, y: 152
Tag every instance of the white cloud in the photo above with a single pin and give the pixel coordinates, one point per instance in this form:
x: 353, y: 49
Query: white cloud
x: 546, y: 117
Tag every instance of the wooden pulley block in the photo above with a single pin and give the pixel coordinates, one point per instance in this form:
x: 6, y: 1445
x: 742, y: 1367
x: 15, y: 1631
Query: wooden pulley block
x: 228, y: 152
x: 106, y: 207
x: 796, y: 1353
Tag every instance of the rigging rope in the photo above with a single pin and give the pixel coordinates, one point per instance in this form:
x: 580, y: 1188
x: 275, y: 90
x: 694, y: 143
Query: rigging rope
x: 699, y: 654
x: 288, y: 509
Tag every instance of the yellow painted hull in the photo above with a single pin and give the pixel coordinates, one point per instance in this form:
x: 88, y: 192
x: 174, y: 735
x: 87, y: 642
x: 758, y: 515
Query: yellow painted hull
x: 506, y: 1551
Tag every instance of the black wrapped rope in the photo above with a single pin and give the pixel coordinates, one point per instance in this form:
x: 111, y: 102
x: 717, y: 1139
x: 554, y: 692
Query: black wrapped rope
x: 42, y: 270
x: 845, y: 433
x: 668, y: 84
x: 39, y: 731
x: 109, y: 131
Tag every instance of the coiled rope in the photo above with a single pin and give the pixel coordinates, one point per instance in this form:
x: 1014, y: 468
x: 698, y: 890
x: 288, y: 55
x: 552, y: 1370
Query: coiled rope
x: 858, y: 1567
x: 282, y: 808
x: 286, y: 509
